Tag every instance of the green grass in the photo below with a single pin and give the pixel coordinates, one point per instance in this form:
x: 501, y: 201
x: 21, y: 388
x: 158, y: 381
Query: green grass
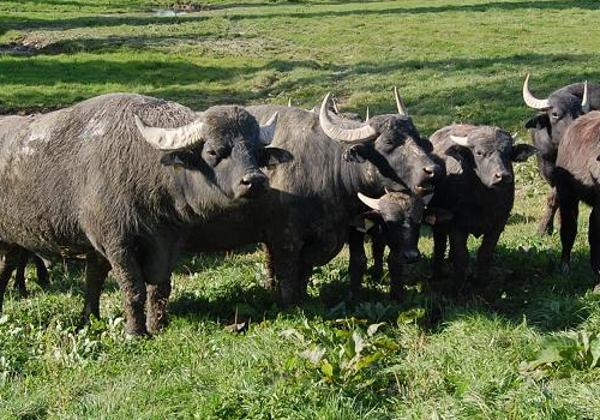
x: 453, y: 61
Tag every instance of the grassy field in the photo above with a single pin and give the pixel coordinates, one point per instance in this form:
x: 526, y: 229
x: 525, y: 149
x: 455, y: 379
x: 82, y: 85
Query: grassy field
x: 528, y: 352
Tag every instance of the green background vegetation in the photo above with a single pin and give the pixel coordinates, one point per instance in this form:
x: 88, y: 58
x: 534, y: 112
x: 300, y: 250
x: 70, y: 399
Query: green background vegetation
x: 433, y: 357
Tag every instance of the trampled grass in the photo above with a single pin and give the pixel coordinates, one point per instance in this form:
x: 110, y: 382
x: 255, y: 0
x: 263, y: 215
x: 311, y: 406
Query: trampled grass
x: 453, y: 61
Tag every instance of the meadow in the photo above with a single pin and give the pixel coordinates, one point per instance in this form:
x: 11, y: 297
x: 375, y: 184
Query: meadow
x: 530, y: 350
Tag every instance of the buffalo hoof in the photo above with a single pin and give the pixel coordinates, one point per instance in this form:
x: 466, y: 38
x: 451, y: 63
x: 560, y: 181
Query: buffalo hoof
x: 545, y: 230
x: 154, y: 326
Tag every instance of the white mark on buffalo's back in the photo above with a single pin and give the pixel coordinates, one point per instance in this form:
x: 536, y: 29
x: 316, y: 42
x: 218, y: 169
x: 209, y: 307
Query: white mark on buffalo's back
x: 94, y: 128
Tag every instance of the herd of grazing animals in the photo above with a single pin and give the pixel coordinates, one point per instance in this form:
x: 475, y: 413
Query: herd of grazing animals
x: 132, y: 183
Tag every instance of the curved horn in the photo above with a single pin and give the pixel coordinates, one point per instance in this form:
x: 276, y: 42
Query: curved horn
x: 267, y: 131
x: 461, y: 141
x: 352, y: 135
x: 370, y: 202
x: 171, y: 138
x: 400, y: 103
x: 367, y: 115
x: 289, y: 101
x: 585, y: 101
x: 530, y: 100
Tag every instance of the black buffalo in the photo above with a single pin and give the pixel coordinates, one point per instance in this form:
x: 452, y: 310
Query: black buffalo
x: 393, y: 220
x: 577, y: 178
x: 548, y: 127
x: 121, y: 178
x: 478, y: 191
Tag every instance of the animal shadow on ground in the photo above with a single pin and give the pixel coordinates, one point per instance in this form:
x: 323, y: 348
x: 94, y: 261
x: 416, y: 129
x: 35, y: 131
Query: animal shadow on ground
x: 524, y: 284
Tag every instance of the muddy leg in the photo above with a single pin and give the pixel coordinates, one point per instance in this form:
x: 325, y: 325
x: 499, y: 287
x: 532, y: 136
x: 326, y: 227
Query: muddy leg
x: 42, y: 271
x: 569, y: 211
x: 459, y: 255
x: 97, y: 269
x: 395, y: 268
x: 20, y: 272
x: 546, y: 226
x: 377, y: 249
x: 358, y: 260
x: 131, y: 281
x: 485, y: 255
x: 440, y: 239
x: 594, y: 241
x: 8, y: 262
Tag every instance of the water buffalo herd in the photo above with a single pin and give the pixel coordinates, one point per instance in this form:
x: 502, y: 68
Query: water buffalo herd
x: 131, y: 183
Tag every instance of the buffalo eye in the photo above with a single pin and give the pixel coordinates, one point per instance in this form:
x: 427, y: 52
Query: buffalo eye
x: 479, y: 153
x: 554, y: 115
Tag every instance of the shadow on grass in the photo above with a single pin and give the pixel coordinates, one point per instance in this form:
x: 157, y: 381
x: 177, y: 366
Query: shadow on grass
x: 176, y: 80
x: 484, y: 7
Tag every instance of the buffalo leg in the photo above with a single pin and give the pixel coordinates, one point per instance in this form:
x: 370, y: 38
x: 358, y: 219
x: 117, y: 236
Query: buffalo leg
x: 546, y: 226
x: 131, y: 281
x: 459, y: 255
x: 395, y: 268
x: 286, y: 268
x: 358, y: 260
x: 20, y: 272
x: 157, y: 300
x: 440, y: 239
x: 485, y: 255
x: 377, y: 249
x: 96, y: 270
x: 41, y: 271
x: 594, y: 242
x: 569, y: 211
x: 8, y: 263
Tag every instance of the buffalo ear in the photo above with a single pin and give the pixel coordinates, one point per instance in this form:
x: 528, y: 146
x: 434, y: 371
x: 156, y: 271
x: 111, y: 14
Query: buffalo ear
x: 356, y: 154
x: 522, y: 152
x: 180, y: 159
x: 174, y: 159
x: 458, y: 152
x: 372, y: 215
x: 273, y: 156
x: 538, y: 122
x: 437, y: 215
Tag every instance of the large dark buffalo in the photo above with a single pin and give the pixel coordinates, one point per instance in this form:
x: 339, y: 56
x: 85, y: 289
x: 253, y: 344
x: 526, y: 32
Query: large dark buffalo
x: 577, y: 178
x: 478, y: 191
x: 548, y: 127
x: 121, y: 178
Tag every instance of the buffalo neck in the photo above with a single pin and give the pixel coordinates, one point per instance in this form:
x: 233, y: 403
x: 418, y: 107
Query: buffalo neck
x: 360, y: 177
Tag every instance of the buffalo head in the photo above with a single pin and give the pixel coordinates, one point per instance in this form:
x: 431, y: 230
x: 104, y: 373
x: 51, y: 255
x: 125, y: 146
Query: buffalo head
x: 557, y: 112
x: 224, y: 146
x: 489, y: 151
x: 400, y: 158
x: 400, y: 215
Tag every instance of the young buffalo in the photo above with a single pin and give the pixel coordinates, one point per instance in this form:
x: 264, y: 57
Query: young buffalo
x: 478, y: 190
x: 394, y: 220
x: 576, y: 175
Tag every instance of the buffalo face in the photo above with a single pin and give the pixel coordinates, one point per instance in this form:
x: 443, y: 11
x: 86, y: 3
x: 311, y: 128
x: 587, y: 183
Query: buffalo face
x: 490, y: 152
x: 557, y: 111
x: 224, y: 147
x: 400, y: 158
x: 400, y: 215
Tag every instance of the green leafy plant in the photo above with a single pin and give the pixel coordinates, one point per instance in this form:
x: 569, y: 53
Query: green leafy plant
x: 344, y: 351
x: 581, y: 351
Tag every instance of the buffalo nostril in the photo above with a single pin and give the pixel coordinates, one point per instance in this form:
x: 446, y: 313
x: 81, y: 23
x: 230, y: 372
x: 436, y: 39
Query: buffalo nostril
x: 429, y: 170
